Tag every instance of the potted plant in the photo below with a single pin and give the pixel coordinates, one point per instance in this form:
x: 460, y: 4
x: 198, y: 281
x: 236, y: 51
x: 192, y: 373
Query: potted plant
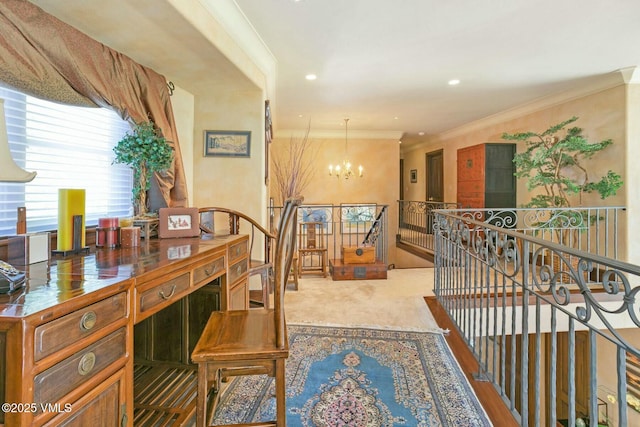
x: 147, y: 152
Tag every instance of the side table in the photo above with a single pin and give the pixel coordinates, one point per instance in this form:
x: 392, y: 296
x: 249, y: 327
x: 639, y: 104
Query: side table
x: 148, y: 227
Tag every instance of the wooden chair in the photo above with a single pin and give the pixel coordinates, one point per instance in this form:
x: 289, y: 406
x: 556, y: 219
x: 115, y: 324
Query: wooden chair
x: 249, y: 342
x: 293, y: 274
x: 311, y: 245
x: 262, y: 267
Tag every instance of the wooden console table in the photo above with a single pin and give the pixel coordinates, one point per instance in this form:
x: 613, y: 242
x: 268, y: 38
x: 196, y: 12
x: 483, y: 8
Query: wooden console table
x: 70, y: 339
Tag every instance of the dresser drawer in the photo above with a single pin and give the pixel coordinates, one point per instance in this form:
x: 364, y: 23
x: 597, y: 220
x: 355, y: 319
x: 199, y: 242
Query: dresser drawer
x: 163, y: 292
x: 208, y: 271
x: 52, y: 384
x: 237, y: 251
x: 236, y: 271
x: 105, y: 408
x: 68, y: 329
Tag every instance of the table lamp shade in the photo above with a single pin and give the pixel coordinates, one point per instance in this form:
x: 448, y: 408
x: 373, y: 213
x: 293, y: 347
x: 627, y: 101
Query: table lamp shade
x: 71, y: 202
x: 9, y: 170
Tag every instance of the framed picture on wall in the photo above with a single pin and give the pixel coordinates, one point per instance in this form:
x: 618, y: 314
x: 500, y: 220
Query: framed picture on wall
x: 317, y: 213
x: 414, y: 176
x: 227, y: 143
x: 357, y: 218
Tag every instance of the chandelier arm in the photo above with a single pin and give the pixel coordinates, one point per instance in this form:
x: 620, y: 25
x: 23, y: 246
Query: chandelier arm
x: 345, y: 170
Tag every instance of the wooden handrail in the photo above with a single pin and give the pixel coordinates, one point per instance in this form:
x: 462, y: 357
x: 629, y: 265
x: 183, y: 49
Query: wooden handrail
x: 234, y: 228
x: 237, y: 214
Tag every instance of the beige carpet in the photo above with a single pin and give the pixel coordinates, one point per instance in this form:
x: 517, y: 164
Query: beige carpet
x: 394, y: 303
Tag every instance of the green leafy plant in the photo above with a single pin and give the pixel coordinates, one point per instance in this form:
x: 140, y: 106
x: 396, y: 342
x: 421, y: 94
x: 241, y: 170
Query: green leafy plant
x: 147, y: 152
x: 553, y: 162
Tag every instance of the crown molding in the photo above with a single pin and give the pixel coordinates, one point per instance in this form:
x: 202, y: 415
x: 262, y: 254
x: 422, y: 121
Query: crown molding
x: 630, y: 75
x: 589, y: 86
x: 422, y: 145
x: 338, y: 134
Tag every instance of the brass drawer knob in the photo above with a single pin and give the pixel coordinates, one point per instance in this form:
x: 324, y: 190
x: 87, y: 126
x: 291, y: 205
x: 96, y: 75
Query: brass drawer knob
x: 87, y: 362
x: 88, y: 320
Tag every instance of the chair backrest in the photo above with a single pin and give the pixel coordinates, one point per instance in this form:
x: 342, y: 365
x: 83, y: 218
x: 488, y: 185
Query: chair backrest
x: 283, y: 255
x: 234, y: 227
x: 311, y: 235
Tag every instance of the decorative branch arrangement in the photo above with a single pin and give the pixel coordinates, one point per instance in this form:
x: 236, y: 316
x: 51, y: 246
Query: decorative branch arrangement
x: 293, y: 169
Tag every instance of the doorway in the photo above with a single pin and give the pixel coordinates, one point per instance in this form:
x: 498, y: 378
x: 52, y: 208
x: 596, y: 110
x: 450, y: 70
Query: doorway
x: 435, y: 176
x: 435, y: 183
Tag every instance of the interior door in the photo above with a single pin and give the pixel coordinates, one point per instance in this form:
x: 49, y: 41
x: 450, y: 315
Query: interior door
x: 435, y: 176
x: 435, y: 183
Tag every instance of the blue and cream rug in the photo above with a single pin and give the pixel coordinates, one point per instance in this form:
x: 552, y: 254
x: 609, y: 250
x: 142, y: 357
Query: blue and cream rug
x: 360, y: 377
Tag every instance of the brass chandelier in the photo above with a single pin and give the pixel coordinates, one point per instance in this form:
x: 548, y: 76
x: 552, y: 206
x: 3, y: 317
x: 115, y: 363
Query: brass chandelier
x: 344, y: 169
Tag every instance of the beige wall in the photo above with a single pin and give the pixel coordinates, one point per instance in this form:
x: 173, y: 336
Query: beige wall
x: 601, y: 115
x: 630, y: 159
x: 417, y: 190
x: 236, y: 183
x: 380, y: 159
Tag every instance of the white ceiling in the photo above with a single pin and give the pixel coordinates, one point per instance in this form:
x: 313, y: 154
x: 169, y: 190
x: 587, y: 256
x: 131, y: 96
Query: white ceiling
x: 385, y: 64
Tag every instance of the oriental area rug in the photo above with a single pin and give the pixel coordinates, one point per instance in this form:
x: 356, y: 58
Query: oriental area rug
x: 360, y: 377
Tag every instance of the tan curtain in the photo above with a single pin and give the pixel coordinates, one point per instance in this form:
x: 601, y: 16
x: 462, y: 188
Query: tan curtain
x: 47, y: 58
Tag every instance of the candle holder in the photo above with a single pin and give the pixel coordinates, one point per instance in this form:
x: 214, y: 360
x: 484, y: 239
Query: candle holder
x: 108, y: 233
x: 107, y: 237
x: 77, y: 239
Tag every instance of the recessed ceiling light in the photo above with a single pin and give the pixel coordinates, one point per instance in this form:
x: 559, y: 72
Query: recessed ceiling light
x: 454, y: 82
x: 310, y: 77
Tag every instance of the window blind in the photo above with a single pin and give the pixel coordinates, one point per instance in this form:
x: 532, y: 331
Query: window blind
x: 69, y: 147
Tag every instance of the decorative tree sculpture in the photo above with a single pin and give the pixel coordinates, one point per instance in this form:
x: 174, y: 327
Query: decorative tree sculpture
x: 554, y: 163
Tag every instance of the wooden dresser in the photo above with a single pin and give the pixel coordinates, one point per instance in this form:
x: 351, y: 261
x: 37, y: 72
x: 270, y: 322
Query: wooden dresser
x: 90, y: 335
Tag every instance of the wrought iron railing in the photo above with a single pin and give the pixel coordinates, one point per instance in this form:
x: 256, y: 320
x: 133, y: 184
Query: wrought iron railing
x: 558, y: 340
x: 346, y: 224
x: 592, y: 230
x: 415, y: 222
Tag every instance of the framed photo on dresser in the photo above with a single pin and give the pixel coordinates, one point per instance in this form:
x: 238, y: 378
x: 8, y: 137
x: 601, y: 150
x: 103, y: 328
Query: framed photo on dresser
x: 178, y: 222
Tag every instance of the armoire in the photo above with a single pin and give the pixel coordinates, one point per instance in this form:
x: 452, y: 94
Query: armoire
x: 486, y: 176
